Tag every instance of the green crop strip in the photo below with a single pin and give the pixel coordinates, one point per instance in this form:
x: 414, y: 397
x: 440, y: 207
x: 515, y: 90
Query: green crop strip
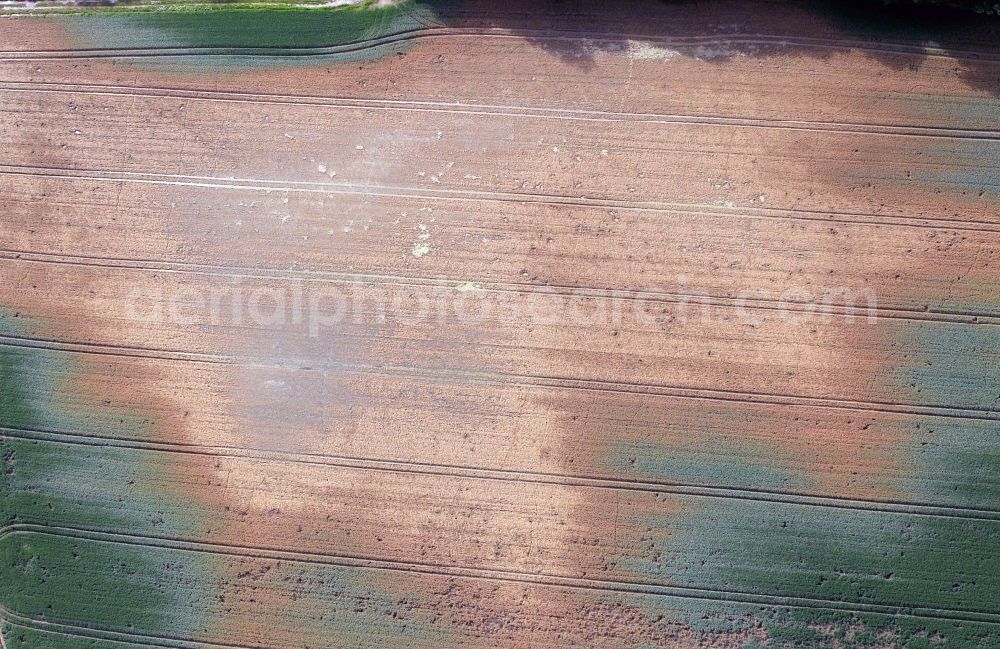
x: 121, y: 587
x: 108, y: 586
x: 245, y: 35
x: 945, y: 564
x: 82, y: 486
x: 19, y: 637
x: 240, y: 26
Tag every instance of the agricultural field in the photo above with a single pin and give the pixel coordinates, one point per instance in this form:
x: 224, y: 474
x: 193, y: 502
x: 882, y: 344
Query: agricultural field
x: 441, y: 324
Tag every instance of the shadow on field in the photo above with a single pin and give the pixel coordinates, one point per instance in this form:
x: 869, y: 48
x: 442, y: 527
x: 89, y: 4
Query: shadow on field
x: 899, y: 36
x: 577, y: 31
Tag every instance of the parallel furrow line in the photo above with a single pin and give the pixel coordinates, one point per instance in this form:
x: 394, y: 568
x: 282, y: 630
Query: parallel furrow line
x: 491, y: 110
x: 510, y: 379
x: 907, y: 508
x: 430, y: 33
x: 510, y: 576
x: 234, y: 272
x: 460, y: 195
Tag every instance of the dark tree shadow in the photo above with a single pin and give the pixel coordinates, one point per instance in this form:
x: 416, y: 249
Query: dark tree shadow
x: 973, y: 38
x: 898, y: 35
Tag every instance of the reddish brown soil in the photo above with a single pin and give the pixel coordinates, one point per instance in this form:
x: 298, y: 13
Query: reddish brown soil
x: 648, y: 225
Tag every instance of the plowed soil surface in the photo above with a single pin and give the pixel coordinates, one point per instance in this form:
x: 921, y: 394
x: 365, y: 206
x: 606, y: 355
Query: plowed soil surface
x: 500, y: 325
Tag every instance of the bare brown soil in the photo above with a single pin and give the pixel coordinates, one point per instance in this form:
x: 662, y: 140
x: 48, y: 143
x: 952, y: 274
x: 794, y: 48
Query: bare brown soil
x: 530, y: 334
